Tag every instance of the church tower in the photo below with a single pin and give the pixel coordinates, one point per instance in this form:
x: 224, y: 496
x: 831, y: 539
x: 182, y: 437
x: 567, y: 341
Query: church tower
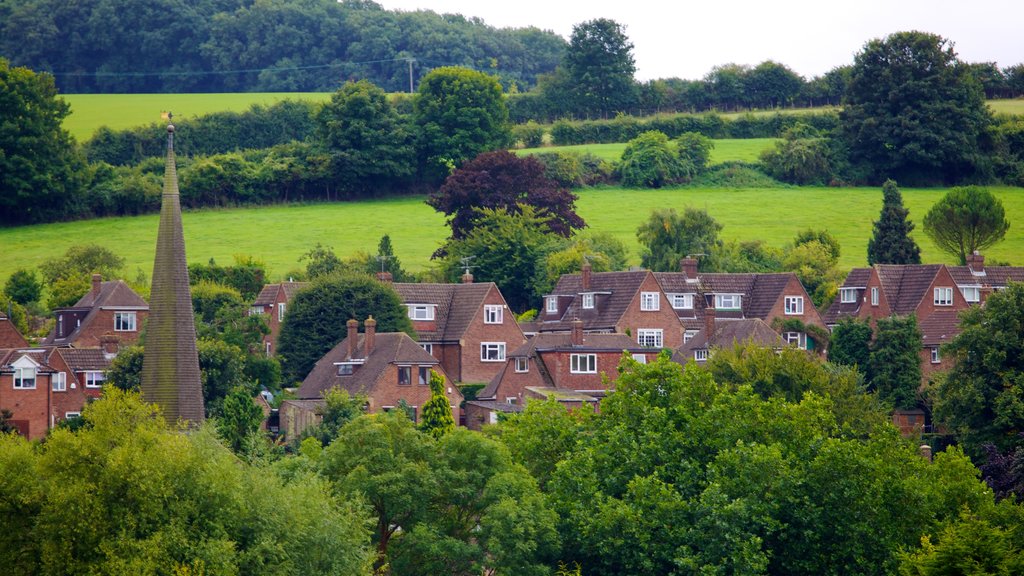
x: 170, y: 366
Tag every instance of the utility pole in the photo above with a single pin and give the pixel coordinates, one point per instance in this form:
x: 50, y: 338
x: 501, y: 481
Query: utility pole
x: 410, y: 61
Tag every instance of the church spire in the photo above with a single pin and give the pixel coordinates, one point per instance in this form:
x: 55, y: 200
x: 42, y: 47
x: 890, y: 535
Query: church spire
x: 170, y: 367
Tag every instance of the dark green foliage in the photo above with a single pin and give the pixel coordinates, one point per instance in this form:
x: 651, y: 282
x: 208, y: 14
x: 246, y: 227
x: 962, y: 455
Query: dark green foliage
x: 894, y: 365
x: 573, y: 170
x: 82, y: 261
x: 509, y: 249
x: 316, y: 318
x: 771, y: 85
x: 460, y: 113
x: 913, y: 112
x: 602, y: 250
x: 529, y: 135
x: 40, y: 169
x: 600, y: 63
x: 972, y: 544
x: 23, y: 286
x: 802, y: 161
x: 982, y: 399
x: 503, y: 181
x: 247, y: 275
x: 650, y: 161
x: 386, y: 261
x: 322, y: 261
x: 749, y: 256
x: 239, y: 419
x: 851, y: 344
x: 437, y: 412
x: 667, y: 237
x: 965, y: 220
x: 125, y: 371
x: 339, y: 409
x: 890, y: 243
x: 694, y: 151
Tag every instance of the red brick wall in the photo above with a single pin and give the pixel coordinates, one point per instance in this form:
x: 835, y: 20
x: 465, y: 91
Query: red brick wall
x: 387, y: 392
x: 559, y: 365
x: 874, y: 312
x: 513, y: 384
x: 795, y: 288
x: 664, y: 318
x: 102, y: 322
x: 927, y: 305
x: 29, y: 406
x: 472, y: 368
x: 74, y: 396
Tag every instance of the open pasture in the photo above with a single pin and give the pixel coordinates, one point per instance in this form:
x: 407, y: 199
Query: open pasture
x: 279, y: 235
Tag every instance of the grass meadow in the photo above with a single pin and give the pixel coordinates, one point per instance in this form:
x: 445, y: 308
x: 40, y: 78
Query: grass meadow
x: 279, y: 235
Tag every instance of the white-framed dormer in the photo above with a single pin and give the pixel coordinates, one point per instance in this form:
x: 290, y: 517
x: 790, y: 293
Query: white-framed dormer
x: 971, y: 293
x: 26, y: 373
x: 494, y: 313
x: 681, y: 301
x: 728, y: 301
x: 848, y: 295
x: 650, y: 301
x: 587, y: 300
x: 422, y: 312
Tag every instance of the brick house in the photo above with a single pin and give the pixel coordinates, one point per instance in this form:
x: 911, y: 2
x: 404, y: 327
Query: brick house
x: 630, y: 302
x: 273, y: 301
x: 9, y: 335
x: 42, y: 386
x: 387, y: 368
x: 110, y: 308
x: 577, y: 369
x: 467, y: 327
x: 703, y: 302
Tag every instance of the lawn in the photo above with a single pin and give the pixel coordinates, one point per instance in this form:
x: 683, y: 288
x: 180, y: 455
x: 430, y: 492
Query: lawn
x: 279, y: 235
x: 118, y: 111
x: 726, y: 150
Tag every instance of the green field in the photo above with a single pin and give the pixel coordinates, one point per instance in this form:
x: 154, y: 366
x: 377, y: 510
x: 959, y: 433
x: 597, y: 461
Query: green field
x: 1015, y: 107
x: 726, y: 150
x: 280, y: 234
x: 118, y: 111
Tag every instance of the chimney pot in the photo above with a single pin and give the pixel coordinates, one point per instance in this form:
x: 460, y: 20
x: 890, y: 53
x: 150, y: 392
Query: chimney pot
x: 577, y: 333
x: 467, y: 278
x: 97, y: 282
x: 976, y: 262
x: 353, y: 336
x: 385, y: 277
x: 371, y: 332
x: 926, y: 452
x: 585, y: 275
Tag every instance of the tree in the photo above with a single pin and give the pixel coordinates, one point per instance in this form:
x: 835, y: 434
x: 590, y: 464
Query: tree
x: 894, y: 365
x: 798, y: 160
x: 890, y: 242
x: 503, y: 181
x: 667, y: 237
x: 40, y: 168
x: 23, y: 287
x: 81, y: 261
x: 322, y: 261
x: 602, y: 250
x: 649, y: 161
x: 437, y: 412
x: 694, y: 151
x: 601, y: 67
x: 851, y: 343
x: 460, y: 113
x: 339, y: 408
x: 965, y: 220
x: 369, y: 144
x: 913, y: 112
x: 386, y: 261
x: 982, y: 399
x: 239, y: 419
x: 813, y: 258
x: 318, y: 313
x: 506, y: 248
x: 772, y: 85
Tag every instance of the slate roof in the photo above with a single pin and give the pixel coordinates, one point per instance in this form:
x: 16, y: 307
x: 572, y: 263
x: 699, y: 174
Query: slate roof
x: 996, y: 276
x: 760, y: 291
x: 269, y: 293
x: 455, y: 306
x: 939, y: 328
x: 730, y: 332
x: 113, y: 294
x: 40, y: 356
x: 906, y: 285
x: 857, y: 278
x: 614, y: 291
x: 84, y: 359
x: 9, y: 335
x: 388, y: 348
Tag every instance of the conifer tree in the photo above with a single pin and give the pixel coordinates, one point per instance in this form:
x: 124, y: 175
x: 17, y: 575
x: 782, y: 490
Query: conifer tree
x: 891, y: 242
x: 437, y: 412
x: 894, y: 367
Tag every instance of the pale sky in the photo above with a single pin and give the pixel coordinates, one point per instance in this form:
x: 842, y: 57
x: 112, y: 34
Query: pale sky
x: 685, y: 39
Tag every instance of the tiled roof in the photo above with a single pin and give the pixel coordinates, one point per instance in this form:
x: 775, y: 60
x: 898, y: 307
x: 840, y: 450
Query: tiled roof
x: 9, y: 335
x: 857, y: 278
x: 615, y: 290
x: 455, y: 305
x: 38, y: 355
x: 996, y: 276
x: 388, y: 348
x: 905, y: 285
x: 268, y: 295
x: 760, y: 291
x: 546, y: 342
x: 939, y: 327
x: 730, y: 332
x: 83, y: 359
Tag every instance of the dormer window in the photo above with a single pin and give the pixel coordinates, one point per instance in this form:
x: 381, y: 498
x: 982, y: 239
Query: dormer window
x: 682, y: 301
x: 848, y: 295
x: 971, y: 293
x: 649, y: 301
x: 729, y: 301
x: 552, y: 304
x: 421, y: 311
x: 588, y: 300
x: 25, y: 378
x: 943, y: 297
x: 345, y: 369
x: 124, y: 322
x: 794, y: 305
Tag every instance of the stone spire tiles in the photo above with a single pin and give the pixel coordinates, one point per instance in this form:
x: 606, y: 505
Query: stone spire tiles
x: 170, y: 369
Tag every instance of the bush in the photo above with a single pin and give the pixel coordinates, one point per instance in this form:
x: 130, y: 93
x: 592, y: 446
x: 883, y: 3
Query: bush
x: 798, y: 161
x: 573, y: 170
x: 529, y: 135
x: 650, y: 161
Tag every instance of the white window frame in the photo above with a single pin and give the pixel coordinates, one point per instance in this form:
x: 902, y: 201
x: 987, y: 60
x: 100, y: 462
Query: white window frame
x: 650, y: 301
x: 847, y: 295
x: 522, y: 364
x: 494, y: 313
x: 69, y: 415
x: 512, y: 400
x: 797, y: 338
x: 700, y: 354
x: 874, y: 295
x: 95, y: 379
x: 640, y: 358
x: 552, y: 304
x: 125, y: 322
x: 682, y: 301
x: 794, y: 305
x: 943, y: 296
x: 256, y: 310
x: 587, y: 300
x: 281, y: 309
x: 935, y: 355
x: 59, y: 382
x: 650, y: 337
x: 346, y: 369
x: 974, y: 291
x: 583, y: 363
x: 486, y: 349
x: 421, y: 312
x: 21, y: 377
x: 428, y: 346
x: 735, y: 301
x: 688, y: 335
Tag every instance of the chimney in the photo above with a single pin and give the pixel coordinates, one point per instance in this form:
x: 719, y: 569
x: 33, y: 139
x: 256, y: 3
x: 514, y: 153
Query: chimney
x: 353, y: 337
x: 709, y: 322
x: 385, y: 277
x: 585, y: 275
x: 97, y: 282
x: 976, y: 262
x: 925, y: 451
x: 370, y: 325
x: 467, y: 277
x: 577, y: 333
x: 688, y: 266
x: 110, y: 344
